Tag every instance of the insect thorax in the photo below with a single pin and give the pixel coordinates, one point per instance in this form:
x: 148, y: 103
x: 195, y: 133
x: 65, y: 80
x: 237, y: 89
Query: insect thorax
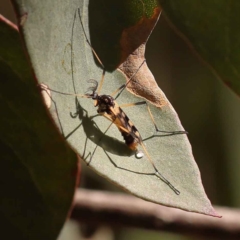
x: 104, y: 103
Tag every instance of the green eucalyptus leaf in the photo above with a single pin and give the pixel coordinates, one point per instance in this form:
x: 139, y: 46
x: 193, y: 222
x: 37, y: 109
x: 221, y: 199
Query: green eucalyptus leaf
x: 63, y: 60
x: 39, y: 172
x: 211, y: 27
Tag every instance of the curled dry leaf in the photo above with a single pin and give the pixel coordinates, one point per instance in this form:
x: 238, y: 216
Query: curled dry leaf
x: 133, y: 44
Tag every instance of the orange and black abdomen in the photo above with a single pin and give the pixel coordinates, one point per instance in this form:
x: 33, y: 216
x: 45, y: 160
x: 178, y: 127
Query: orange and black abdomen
x: 131, y: 141
x: 131, y: 136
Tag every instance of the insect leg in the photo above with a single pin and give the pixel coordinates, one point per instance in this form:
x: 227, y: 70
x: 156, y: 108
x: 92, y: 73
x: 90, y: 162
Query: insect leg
x: 99, y: 142
x: 126, y: 169
x: 85, y: 34
x: 45, y: 88
x: 101, y: 82
x: 94, y: 52
x: 121, y: 88
x: 68, y: 94
x: 166, y: 133
x: 132, y: 104
x: 157, y: 173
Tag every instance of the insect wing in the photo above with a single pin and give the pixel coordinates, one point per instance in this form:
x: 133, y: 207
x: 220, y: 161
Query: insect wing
x: 125, y: 126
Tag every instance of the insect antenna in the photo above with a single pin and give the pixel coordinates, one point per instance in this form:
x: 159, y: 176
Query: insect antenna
x: 92, y: 88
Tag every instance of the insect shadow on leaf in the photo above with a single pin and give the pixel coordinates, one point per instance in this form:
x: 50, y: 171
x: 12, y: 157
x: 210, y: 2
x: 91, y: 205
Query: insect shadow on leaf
x: 93, y: 132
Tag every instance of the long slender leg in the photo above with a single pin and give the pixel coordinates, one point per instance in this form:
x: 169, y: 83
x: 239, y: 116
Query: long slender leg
x: 132, y: 104
x: 121, y: 88
x: 167, y: 133
x: 125, y: 169
x: 95, y: 54
x: 101, y: 82
x: 99, y: 142
x: 85, y: 34
x: 45, y: 88
x: 156, y: 128
x: 68, y: 94
x: 157, y: 173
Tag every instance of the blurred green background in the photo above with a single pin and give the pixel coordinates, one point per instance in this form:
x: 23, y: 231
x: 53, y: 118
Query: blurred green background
x: 208, y: 110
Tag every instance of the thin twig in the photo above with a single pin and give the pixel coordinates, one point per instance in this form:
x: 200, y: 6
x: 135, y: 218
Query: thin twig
x: 96, y: 207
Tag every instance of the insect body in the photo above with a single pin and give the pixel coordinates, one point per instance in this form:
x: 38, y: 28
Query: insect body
x: 109, y: 108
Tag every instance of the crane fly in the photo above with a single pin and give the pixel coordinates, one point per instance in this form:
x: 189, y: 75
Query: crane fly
x: 108, y: 107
